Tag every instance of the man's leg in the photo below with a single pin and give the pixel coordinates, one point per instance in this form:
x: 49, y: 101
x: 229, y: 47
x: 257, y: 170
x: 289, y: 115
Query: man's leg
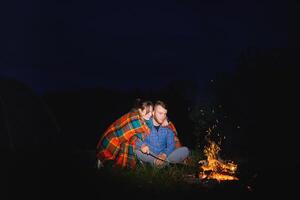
x: 144, y: 157
x: 178, y: 155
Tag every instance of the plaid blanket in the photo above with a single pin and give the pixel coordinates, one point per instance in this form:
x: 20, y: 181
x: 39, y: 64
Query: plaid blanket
x: 119, y: 140
x: 177, y: 141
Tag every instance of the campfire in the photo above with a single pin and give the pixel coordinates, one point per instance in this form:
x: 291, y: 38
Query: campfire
x: 214, y: 167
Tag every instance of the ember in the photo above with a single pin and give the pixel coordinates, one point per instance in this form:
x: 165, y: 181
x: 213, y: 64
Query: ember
x: 214, y: 167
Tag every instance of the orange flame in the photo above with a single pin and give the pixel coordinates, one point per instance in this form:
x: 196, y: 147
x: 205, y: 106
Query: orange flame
x: 214, y: 167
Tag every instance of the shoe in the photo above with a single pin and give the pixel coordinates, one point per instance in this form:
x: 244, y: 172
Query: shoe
x: 99, y: 164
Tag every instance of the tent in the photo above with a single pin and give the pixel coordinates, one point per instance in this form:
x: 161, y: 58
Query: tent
x: 26, y: 123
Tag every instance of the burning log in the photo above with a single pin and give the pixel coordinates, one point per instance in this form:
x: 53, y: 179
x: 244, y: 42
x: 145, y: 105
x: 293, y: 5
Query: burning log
x: 214, y: 167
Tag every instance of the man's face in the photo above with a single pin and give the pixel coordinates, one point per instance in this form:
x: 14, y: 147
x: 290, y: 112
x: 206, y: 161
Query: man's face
x: 159, y: 114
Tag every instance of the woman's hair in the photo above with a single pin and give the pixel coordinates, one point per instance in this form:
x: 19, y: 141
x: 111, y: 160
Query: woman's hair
x: 142, y: 104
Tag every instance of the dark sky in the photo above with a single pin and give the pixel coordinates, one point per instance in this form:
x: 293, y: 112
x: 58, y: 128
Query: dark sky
x: 66, y: 45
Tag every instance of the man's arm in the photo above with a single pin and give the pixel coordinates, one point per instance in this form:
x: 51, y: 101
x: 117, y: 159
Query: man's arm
x: 170, y: 142
x: 139, y: 142
x: 141, y: 145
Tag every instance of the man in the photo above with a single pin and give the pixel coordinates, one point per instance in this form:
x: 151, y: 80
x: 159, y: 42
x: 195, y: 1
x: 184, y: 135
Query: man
x: 159, y: 148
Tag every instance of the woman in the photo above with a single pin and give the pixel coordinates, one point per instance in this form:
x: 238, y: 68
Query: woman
x: 118, y: 141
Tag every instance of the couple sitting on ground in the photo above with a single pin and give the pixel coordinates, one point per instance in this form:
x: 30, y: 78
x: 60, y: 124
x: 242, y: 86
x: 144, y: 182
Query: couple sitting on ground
x: 144, y: 134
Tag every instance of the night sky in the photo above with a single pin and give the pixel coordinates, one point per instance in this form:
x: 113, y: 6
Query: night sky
x: 68, y: 45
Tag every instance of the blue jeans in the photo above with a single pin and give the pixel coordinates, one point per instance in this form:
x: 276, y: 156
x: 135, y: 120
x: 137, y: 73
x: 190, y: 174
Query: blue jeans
x: 177, y: 156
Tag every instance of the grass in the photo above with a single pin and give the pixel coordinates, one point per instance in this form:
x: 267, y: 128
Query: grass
x: 147, y: 182
x: 146, y: 177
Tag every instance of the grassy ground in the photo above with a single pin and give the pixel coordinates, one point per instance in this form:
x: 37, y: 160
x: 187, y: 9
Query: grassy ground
x: 169, y: 181
x: 171, y: 173
x: 43, y: 176
x: 148, y: 178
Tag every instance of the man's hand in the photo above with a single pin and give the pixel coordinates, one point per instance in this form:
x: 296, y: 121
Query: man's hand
x: 145, y: 149
x: 162, y: 157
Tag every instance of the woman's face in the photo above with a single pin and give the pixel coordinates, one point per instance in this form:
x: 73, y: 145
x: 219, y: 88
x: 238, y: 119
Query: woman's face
x: 147, y: 113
